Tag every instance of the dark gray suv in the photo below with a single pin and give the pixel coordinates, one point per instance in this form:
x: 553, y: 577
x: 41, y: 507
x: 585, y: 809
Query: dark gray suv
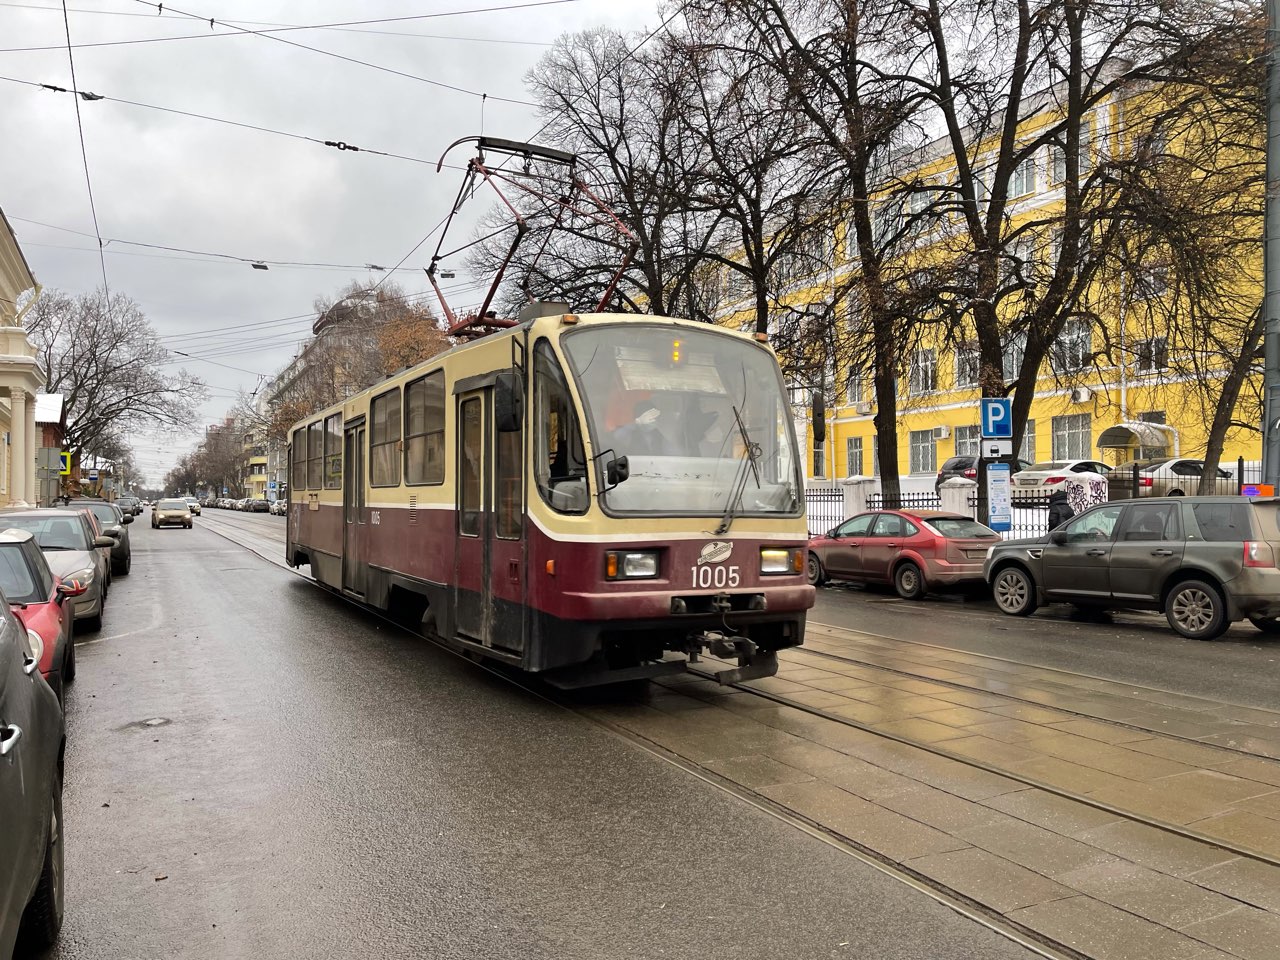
x: 1204, y: 561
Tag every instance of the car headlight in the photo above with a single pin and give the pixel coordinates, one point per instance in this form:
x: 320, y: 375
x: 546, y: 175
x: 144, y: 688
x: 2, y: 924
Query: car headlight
x: 85, y: 576
x: 37, y: 644
x: 631, y: 564
x: 780, y: 560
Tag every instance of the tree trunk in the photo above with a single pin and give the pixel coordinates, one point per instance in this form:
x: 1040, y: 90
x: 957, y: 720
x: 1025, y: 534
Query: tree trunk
x: 1241, y: 367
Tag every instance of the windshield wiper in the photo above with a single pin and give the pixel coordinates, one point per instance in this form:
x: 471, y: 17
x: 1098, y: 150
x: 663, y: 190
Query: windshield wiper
x: 750, y: 454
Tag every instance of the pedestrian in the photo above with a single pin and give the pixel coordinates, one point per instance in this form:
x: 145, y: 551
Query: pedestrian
x: 1059, y: 509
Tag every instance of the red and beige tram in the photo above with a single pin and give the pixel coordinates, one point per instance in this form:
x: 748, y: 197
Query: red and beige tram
x: 581, y: 496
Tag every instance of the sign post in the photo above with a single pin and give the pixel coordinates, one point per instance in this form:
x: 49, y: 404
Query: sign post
x: 997, y: 441
x: 999, y: 504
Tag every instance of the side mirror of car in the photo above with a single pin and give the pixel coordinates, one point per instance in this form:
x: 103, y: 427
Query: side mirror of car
x: 115, y: 533
x: 1058, y: 538
x: 834, y: 533
x: 71, y: 588
x: 104, y: 542
x: 128, y: 517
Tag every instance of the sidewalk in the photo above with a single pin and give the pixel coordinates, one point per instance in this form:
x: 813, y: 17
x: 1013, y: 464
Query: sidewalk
x: 1091, y: 879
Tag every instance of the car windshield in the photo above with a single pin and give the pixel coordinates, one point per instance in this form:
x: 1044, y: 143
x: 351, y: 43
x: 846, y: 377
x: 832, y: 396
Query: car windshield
x: 16, y: 581
x: 957, y: 527
x: 702, y: 419
x: 106, y: 516
x: 172, y: 505
x: 52, y: 533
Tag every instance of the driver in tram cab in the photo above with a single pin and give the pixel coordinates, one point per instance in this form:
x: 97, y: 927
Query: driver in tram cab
x: 641, y: 437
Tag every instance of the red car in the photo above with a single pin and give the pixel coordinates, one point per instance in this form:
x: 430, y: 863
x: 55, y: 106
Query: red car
x: 36, y: 597
x: 917, y: 551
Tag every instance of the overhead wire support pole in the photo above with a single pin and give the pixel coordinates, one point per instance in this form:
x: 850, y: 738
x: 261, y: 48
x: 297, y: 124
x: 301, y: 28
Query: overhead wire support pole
x: 1271, y: 260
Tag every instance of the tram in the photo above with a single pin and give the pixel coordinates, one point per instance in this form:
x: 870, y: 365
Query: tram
x: 591, y: 497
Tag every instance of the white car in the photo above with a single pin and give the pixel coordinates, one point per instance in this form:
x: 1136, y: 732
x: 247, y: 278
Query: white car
x: 194, y: 504
x: 279, y: 507
x: 1041, y: 480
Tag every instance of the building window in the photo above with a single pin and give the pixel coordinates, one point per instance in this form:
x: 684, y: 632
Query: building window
x: 854, y: 385
x: 299, y: 459
x: 332, y: 453
x: 1057, y: 165
x: 968, y: 440
x: 1151, y: 282
x: 1152, y: 354
x: 819, y: 458
x: 924, y: 452
x: 1023, y: 181
x: 1074, y: 348
x: 384, y: 440
x: 424, y: 430
x: 1028, y: 449
x: 1015, y: 349
x: 967, y: 365
x: 315, y: 456
x: 1072, y: 436
x: 924, y: 372
x: 853, y: 457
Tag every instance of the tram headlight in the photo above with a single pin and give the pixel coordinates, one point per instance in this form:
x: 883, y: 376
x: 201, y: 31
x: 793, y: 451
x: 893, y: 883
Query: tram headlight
x: 631, y: 564
x: 781, y: 560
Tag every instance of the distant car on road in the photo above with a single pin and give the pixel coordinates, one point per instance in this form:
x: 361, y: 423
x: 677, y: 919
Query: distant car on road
x: 1040, y: 480
x: 114, y: 523
x: 67, y: 540
x: 279, y: 507
x: 130, y: 505
x: 193, y: 504
x: 31, y: 747
x: 171, y: 513
x: 258, y: 506
x: 37, y: 598
x: 917, y: 551
x: 1204, y: 561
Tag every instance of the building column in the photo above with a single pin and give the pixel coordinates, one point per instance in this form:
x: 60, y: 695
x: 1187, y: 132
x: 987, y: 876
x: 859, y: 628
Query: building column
x: 17, y: 446
x: 32, y: 444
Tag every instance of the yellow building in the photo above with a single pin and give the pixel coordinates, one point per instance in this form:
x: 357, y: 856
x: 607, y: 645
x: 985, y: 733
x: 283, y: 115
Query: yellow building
x: 1110, y: 381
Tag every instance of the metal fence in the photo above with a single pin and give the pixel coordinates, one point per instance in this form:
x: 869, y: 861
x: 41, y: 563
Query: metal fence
x: 1181, y: 476
x: 904, y: 501
x: 1030, y: 516
x: 824, y: 507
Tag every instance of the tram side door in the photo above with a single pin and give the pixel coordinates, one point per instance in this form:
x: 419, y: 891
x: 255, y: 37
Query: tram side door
x: 471, y: 583
x: 353, y: 514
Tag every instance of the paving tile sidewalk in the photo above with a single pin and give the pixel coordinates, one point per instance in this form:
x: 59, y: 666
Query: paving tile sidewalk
x: 943, y: 673
x: 1090, y: 879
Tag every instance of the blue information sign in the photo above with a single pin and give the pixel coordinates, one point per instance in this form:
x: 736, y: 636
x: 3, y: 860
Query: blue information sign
x: 999, y: 503
x: 997, y: 418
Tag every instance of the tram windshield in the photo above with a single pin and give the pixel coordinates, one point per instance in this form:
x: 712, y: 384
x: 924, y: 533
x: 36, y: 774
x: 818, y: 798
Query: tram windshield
x: 700, y: 416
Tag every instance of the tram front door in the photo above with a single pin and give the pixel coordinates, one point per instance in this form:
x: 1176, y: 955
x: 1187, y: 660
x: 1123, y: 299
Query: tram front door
x: 353, y: 516
x: 489, y: 572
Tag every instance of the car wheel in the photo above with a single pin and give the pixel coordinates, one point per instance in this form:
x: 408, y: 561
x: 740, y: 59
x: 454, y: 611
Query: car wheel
x: 817, y: 576
x: 1196, y: 610
x: 909, y: 581
x: 69, y: 662
x: 1014, y: 592
x: 42, y: 918
x: 1266, y: 624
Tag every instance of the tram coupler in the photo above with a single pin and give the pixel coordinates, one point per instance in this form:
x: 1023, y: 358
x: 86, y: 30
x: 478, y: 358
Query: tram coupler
x: 752, y: 663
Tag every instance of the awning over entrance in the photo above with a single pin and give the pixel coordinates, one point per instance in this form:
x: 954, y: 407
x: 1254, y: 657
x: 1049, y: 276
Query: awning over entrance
x: 1138, y: 433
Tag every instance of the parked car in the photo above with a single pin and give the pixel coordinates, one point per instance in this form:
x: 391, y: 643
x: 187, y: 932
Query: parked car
x: 193, y: 504
x: 258, y: 506
x: 130, y: 506
x: 1178, y: 477
x: 114, y: 524
x: 37, y: 598
x: 966, y: 467
x: 73, y: 551
x: 1040, y: 480
x: 1204, y: 561
x: 279, y: 507
x: 917, y: 551
x: 171, y: 513
x: 31, y: 747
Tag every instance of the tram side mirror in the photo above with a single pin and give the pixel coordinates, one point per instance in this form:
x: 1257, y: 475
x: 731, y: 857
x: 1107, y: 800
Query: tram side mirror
x: 617, y: 470
x: 508, y: 402
x: 819, y: 417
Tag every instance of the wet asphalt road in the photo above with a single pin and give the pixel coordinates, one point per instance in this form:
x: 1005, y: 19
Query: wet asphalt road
x: 255, y: 769
x: 1243, y: 666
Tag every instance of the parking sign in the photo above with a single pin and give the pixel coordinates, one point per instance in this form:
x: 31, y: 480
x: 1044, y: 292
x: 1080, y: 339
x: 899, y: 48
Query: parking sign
x: 997, y: 418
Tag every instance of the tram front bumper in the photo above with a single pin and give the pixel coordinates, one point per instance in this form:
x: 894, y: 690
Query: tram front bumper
x: 664, y: 604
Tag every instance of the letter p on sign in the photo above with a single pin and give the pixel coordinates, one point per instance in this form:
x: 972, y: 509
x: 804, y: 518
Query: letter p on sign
x: 997, y: 418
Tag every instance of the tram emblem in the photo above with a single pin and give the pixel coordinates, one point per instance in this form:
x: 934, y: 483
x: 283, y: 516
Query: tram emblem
x: 715, y: 552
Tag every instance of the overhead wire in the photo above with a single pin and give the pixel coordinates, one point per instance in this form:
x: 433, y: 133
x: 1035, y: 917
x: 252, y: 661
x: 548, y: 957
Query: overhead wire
x: 270, y: 35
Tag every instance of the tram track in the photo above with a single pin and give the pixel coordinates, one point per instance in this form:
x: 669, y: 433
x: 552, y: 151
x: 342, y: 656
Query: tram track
x: 1034, y: 941
x: 971, y: 688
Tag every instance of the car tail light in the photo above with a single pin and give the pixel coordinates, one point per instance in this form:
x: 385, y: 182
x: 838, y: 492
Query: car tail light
x: 1258, y: 553
x: 971, y: 473
x: 1049, y: 480
x: 1145, y: 481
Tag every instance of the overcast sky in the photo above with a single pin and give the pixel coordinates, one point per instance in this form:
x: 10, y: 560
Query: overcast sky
x: 175, y: 181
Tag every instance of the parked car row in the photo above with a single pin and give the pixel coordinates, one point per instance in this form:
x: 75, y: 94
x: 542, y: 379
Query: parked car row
x: 56, y: 569
x: 1202, y: 561
x: 1163, y: 477
x: 247, y: 504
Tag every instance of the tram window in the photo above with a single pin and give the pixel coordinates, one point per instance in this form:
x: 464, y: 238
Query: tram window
x: 470, y: 445
x: 424, y: 430
x: 559, y: 464
x: 299, y: 454
x: 384, y: 440
x: 315, y: 456
x: 508, y: 502
x: 333, y: 452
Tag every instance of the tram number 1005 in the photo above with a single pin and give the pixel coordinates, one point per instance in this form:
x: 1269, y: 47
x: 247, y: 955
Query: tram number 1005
x: 707, y: 575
